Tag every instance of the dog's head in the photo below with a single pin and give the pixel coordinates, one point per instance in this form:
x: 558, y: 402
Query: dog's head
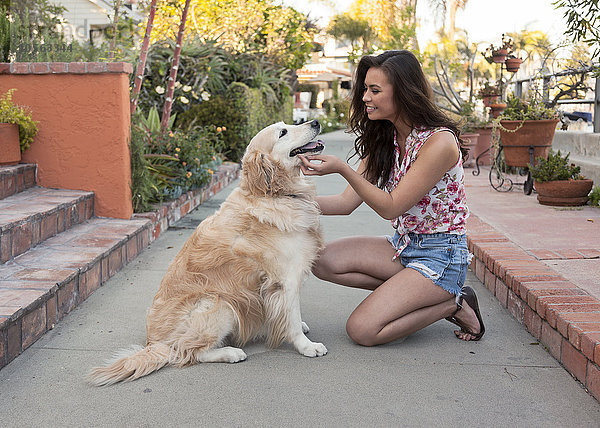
x: 270, y: 164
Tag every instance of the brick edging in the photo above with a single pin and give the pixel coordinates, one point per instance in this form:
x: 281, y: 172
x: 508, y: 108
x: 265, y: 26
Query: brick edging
x: 171, y: 211
x: 65, y: 67
x: 555, y: 311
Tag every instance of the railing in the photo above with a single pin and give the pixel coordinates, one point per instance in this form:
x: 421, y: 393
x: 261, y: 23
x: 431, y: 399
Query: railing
x: 595, y: 101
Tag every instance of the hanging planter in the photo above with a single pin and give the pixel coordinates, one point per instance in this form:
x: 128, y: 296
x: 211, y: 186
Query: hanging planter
x: 513, y: 64
x: 499, y: 55
x: 488, y: 100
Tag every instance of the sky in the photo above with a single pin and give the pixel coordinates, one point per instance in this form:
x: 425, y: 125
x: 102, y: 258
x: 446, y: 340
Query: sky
x: 484, y: 20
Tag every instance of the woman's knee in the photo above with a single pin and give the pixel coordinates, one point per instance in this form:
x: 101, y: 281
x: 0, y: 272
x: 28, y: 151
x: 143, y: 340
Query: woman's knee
x: 360, y: 332
x: 323, y: 267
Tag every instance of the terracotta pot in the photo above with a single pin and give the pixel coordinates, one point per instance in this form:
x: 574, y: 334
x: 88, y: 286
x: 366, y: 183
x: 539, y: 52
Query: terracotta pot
x: 484, y: 142
x: 499, y: 56
x: 513, y: 64
x: 536, y: 133
x: 10, y: 149
x: 564, y: 193
x: 470, y: 141
x: 497, y: 109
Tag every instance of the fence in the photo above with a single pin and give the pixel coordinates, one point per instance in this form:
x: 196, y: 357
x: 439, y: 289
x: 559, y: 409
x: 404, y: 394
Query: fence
x: 595, y: 101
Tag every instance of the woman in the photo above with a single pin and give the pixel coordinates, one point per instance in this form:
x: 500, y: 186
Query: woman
x: 410, y: 173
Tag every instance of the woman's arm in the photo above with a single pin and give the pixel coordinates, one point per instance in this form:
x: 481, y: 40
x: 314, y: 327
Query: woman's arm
x: 344, y: 203
x: 437, y: 155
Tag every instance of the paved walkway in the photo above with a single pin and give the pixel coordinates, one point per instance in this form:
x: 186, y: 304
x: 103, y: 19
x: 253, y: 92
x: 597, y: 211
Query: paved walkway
x: 431, y: 378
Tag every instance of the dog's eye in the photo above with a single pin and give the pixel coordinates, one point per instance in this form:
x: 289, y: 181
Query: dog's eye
x: 282, y: 132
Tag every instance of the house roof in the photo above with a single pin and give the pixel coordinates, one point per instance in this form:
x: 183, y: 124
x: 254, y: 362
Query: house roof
x: 322, y: 73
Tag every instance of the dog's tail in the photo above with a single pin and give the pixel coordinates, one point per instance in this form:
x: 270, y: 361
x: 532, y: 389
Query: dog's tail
x: 131, y: 364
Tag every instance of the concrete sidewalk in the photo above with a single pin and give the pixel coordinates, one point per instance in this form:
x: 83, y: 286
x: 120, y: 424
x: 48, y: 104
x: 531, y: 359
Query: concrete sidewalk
x: 431, y: 378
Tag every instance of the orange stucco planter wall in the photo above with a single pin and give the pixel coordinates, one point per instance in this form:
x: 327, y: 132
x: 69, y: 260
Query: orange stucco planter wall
x: 84, y: 127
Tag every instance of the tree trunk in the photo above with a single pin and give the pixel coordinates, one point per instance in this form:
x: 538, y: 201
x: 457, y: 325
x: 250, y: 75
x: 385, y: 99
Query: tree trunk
x: 113, y: 44
x: 173, y: 76
x: 141, y: 65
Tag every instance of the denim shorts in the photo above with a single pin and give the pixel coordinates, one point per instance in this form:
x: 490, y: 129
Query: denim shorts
x: 441, y: 257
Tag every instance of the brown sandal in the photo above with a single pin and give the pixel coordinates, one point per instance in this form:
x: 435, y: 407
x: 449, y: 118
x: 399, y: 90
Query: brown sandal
x: 468, y: 294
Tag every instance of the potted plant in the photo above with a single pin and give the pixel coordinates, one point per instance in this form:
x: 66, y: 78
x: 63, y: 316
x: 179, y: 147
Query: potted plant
x: 17, y: 129
x: 489, y: 94
x: 559, y: 182
x: 512, y: 63
x: 526, y: 130
x: 499, y: 54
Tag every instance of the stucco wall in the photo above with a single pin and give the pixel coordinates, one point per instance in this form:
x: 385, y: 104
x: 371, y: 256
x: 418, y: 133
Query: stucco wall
x: 584, y: 149
x: 83, y: 115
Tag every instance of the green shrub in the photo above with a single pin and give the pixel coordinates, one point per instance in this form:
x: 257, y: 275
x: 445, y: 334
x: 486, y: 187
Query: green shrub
x: 533, y: 109
x: 242, y: 112
x: 336, y: 115
x: 166, y: 165
x: 595, y: 196
x: 556, y: 167
x: 11, y: 113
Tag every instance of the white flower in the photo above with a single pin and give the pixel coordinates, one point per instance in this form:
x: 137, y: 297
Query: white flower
x: 177, y: 84
x: 341, y: 114
x: 328, y: 123
x: 159, y: 90
x: 184, y: 100
x: 205, y: 96
x: 187, y: 88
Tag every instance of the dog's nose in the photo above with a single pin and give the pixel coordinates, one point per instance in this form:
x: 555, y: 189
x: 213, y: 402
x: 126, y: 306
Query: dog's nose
x: 315, y: 124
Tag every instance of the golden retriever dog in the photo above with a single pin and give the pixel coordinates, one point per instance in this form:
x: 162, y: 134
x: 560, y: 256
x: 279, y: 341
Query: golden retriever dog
x: 238, y: 277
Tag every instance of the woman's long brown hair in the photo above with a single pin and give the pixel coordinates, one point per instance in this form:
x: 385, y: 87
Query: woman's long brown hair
x: 413, y: 98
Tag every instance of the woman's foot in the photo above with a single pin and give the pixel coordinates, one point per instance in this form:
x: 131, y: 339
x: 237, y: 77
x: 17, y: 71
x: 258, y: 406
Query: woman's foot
x: 467, y: 317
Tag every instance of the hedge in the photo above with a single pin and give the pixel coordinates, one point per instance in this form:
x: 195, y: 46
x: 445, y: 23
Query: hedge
x: 243, y: 111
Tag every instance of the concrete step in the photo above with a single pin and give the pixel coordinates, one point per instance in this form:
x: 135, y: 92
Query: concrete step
x: 33, y: 215
x: 41, y: 286
x: 16, y: 178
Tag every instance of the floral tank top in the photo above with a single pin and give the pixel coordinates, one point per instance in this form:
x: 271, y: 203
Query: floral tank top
x: 443, y: 209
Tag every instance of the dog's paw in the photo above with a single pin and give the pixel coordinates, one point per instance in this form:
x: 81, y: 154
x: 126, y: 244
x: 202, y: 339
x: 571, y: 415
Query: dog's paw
x: 305, y: 328
x: 236, y: 355
x: 227, y: 354
x: 313, y: 349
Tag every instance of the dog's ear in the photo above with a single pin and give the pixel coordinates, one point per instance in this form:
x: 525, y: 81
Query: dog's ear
x: 264, y: 176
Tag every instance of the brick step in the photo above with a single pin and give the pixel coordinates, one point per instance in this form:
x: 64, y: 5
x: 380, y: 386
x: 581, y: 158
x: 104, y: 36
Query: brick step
x: 33, y: 215
x: 41, y: 286
x: 16, y: 178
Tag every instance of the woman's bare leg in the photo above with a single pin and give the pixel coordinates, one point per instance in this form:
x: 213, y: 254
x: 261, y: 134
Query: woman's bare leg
x: 405, y: 303
x: 403, y: 300
x: 359, y: 262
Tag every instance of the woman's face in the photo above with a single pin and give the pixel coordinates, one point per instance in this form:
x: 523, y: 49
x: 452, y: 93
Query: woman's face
x: 378, y: 96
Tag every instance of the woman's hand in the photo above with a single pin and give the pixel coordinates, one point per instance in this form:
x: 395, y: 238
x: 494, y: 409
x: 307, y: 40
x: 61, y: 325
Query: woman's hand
x: 327, y: 164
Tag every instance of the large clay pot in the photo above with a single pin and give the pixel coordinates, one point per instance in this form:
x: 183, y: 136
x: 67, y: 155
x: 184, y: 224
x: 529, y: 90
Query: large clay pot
x: 484, y: 142
x: 529, y: 133
x: 564, y: 193
x: 10, y: 149
x: 470, y: 141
